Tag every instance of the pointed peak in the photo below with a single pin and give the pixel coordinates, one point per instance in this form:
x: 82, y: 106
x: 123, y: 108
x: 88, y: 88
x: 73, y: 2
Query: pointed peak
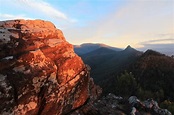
x: 128, y: 47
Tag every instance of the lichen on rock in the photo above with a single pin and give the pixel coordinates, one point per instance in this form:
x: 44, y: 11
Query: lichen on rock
x: 39, y: 71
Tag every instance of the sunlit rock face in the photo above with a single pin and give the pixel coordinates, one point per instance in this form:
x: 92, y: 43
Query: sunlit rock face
x: 39, y: 71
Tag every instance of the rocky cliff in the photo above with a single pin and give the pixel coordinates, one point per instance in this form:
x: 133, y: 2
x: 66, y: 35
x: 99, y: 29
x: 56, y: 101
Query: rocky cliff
x: 39, y: 71
x: 116, y: 105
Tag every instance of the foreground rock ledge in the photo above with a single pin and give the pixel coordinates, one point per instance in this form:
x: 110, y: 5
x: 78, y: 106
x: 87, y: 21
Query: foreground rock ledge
x: 39, y: 71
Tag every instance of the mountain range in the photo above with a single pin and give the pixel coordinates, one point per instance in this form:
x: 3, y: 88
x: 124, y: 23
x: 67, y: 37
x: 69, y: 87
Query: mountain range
x: 88, y: 47
x: 152, y: 72
x: 105, y: 60
x: 41, y: 74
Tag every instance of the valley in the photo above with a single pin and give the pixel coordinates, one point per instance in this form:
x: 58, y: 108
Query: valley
x: 148, y: 74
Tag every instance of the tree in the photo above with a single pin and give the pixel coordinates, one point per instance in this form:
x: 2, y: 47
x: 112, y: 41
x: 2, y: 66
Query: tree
x: 126, y: 84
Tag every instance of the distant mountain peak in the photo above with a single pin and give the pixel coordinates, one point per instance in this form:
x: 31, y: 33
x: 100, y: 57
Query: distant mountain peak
x: 89, y: 47
x: 94, y: 44
x: 152, y: 52
x: 129, y: 48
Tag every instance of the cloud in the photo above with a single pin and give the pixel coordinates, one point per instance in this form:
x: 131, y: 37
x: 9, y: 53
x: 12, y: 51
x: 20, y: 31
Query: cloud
x: 165, y: 46
x: 43, y: 7
x: 158, y: 41
x: 36, y: 9
x: 10, y: 17
x: 132, y: 23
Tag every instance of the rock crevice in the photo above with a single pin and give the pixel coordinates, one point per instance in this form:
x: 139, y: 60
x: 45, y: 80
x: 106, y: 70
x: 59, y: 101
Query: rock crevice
x: 39, y: 71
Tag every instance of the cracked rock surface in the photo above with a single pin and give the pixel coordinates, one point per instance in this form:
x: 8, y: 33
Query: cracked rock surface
x: 39, y: 71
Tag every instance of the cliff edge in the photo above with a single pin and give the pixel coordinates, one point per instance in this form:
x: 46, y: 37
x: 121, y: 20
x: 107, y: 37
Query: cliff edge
x: 39, y: 71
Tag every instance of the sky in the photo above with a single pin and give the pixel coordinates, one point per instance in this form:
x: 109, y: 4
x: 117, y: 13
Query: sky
x: 143, y: 24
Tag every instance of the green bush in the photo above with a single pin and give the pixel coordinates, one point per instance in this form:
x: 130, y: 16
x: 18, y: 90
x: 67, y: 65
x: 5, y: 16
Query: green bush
x: 168, y: 105
x: 126, y: 84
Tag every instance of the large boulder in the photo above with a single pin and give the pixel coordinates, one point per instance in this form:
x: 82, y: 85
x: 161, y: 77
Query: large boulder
x: 39, y: 71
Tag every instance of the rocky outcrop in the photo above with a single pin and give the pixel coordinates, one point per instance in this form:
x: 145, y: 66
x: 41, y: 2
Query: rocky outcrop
x: 148, y: 105
x: 116, y: 105
x: 107, y: 105
x: 39, y: 71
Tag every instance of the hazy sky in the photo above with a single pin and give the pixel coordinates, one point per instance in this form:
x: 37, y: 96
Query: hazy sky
x: 139, y: 23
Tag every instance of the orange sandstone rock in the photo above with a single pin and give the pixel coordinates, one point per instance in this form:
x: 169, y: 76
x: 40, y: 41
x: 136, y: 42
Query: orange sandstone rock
x: 39, y: 71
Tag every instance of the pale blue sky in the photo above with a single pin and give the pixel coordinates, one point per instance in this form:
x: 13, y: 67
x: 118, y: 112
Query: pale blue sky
x: 113, y: 22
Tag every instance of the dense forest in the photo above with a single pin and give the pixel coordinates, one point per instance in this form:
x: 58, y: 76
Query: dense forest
x: 151, y: 76
x: 131, y: 72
